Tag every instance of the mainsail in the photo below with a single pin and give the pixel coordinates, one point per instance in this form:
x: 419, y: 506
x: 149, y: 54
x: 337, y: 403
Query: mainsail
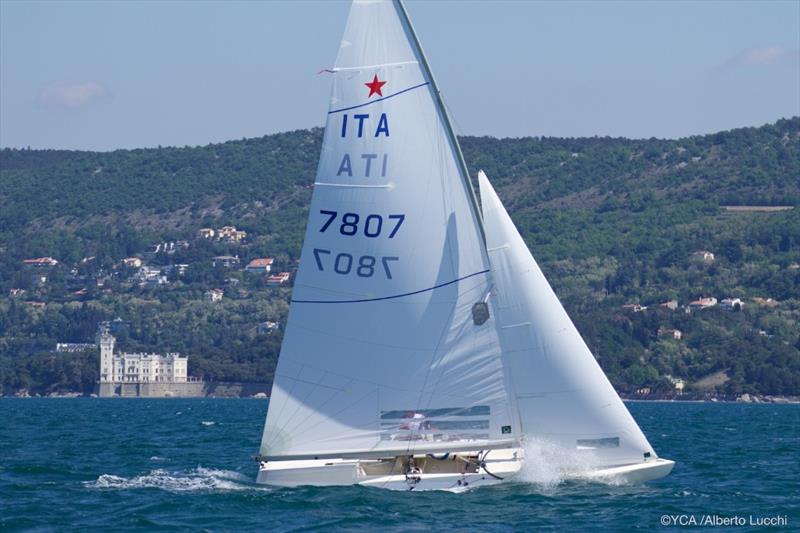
x: 561, y: 392
x: 388, y: 345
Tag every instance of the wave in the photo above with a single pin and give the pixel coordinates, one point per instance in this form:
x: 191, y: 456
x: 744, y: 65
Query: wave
x: 548, y: 465
x: 208, y: 422
x: 199, y: 479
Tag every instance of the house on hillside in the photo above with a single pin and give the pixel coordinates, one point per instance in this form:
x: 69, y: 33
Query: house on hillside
x: 731, y: 304
x: 73, y: 347
x: 214, y: 295
x: 40, y: 262
x: 266, y: 327
x: 149, y: 277
x: 205, y: 233
x: 703, y: 256
x: 671, y: 305
x: 179, y: 269
x: 168, y: 247
x: 114, y: 326
x: 766, y: 302
x: 278, y: 279
x: 636, y: 308
x: 227, y: 261
x: 261, y: 265
x: 231, y: 234
x: 703, y: 303
x: 133, y: 262
x: 667, y: 332
x: 678, y: 383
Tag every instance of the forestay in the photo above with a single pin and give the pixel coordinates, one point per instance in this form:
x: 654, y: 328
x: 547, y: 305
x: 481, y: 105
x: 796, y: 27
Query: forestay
x: 382, y: 350
x: 561, y: 392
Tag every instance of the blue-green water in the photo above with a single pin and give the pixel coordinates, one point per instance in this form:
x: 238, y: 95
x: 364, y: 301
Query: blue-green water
x: 75, y: 464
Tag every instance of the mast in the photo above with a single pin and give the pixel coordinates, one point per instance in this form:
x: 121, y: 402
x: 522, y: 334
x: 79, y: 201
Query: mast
x: 406, y: 21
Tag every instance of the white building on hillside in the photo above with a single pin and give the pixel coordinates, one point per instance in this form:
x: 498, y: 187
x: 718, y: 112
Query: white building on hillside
x: 138, y: 367
x: 732, y: 304
x: 261, y: 264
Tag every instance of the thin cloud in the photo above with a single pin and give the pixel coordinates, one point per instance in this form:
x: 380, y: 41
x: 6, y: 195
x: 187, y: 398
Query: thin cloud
x: 72, y: 94
x: 770, y: 55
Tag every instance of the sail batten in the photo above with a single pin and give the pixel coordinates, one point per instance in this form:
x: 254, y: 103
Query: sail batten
x: 394, y: 296
x: 368, y: 67
x: 398, y: 93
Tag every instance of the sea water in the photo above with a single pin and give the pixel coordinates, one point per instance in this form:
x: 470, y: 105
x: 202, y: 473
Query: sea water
x: 144, y: 464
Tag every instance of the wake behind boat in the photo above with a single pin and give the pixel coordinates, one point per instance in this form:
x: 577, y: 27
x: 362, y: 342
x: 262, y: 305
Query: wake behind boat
x: 423, y: 345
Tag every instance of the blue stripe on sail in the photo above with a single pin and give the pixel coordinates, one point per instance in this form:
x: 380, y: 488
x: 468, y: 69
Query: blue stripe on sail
x: 388, y: 297
x: 379, y: 99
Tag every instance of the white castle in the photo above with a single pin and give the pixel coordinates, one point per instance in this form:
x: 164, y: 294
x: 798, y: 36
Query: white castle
x: 138, y: 367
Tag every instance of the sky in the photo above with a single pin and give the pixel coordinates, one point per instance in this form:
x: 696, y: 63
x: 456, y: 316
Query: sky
x: 106, y: 75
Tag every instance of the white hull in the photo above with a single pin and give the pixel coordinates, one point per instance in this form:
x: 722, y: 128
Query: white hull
x: 497, y: 467
x: 633, y: 474
x: 449, y: 474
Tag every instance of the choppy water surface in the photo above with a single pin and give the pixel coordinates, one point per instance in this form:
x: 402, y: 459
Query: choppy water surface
x: 72, y: 464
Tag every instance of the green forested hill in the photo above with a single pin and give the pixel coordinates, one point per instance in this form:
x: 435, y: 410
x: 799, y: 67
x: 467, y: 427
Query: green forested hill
x: 611, y: 221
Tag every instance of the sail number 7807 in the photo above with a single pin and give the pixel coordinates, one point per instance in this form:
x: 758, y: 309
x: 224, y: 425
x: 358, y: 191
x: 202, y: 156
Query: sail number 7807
x: 372, y: 225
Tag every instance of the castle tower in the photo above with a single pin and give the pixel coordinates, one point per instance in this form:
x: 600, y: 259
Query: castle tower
x: 106, y: 343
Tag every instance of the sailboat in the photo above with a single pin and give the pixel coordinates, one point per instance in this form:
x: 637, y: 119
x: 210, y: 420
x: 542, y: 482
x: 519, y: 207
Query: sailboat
x: 424, y: 348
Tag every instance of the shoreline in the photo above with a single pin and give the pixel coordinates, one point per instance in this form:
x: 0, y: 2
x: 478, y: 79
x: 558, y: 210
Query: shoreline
x: 686, y: 398
x: 710, y: 398
x: 62, y: 395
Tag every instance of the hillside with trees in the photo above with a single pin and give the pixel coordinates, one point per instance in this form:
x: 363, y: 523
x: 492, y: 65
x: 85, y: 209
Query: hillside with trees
x: 619, y: 227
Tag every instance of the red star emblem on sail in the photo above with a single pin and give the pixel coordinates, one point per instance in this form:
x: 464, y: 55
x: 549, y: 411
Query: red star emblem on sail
x: 375, y: 86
